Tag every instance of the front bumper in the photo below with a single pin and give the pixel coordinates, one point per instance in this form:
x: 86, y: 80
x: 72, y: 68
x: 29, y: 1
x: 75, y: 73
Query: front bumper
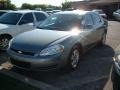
x: 33, y: 63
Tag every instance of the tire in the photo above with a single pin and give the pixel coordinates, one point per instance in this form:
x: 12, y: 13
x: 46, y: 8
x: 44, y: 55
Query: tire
x: 74, y: 57
x: 115, y: 87
x: 4, y: 42
x: 103, y: 40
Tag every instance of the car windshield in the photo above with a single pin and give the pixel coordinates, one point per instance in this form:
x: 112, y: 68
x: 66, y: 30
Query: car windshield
x: 10, y: 18
x: 61, y: 22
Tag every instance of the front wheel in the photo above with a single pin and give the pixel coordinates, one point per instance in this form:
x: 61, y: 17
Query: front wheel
x: 103, y: 40
x: 115, y: 87
x: 4, y: 42
x: 74, y: 58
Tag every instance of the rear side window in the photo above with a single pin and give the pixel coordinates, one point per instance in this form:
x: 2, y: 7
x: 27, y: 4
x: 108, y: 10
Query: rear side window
x: 96, y: 19
x: 28, y: 18
x: 40, y: 16
x: 88, y: 22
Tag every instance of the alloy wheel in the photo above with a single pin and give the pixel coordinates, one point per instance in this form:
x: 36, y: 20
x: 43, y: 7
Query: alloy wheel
x: 4, y: 42
x: 75, y: 58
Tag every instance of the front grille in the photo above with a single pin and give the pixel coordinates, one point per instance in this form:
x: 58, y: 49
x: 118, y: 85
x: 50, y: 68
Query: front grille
x: 23, y: 52
x: 20, y: 63
x: 48, y: 67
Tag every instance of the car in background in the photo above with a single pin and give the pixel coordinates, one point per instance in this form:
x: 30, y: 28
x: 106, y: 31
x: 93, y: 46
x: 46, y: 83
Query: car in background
x: 49, y: 12
x: 16, y: 22
x: 3, y: 12
x: 100, y: 12
x: 116, y: 15
x: 58, y: 42
x: 38, y: 9
x: 116, y: 70
x: 55, y: 11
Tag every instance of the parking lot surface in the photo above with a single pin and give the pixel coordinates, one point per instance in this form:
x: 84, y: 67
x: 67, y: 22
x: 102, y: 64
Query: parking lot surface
x: 94, y: 68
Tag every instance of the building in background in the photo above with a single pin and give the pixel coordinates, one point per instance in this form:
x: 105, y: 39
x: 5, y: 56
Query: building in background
x: 108, y: 6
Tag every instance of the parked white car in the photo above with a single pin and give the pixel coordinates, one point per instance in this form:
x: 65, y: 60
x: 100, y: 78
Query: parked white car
x: 116, y: 15
x: 16, y: 22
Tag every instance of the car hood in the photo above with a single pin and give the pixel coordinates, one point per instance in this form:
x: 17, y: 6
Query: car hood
x: 37, y: 39
x: 5, y: 26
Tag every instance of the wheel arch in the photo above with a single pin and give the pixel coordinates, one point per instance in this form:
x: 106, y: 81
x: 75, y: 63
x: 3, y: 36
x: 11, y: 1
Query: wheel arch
x: 80, y: 47
x: 7, y: 35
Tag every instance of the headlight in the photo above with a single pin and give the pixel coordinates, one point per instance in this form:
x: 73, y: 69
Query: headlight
x: 117, y: 58
x: 117, y: 61
x: 51, y: 50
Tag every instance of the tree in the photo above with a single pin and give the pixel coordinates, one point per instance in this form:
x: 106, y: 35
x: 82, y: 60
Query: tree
x: 42, y: 6
x: 7, y: 5
x: 26, y: 6
x: 66, y: 5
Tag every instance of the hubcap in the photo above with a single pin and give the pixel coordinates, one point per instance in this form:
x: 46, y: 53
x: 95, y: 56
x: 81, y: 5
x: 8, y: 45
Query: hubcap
x: 4, y: 43
x: 75, y: 58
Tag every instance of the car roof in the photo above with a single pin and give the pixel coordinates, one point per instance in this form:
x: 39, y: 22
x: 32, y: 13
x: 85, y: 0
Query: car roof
x: 25, y: 11
x: 79, y: 12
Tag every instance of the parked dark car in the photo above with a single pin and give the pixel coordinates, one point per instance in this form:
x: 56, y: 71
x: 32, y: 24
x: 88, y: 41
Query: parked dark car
x: 58, y: 42
x: 116, y: 70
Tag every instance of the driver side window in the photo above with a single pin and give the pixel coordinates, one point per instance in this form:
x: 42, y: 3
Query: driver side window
x: 27, y: 18
x: 88, y: 22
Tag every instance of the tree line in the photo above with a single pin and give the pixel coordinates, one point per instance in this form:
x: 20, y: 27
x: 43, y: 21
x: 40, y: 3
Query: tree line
x: 7, y: 5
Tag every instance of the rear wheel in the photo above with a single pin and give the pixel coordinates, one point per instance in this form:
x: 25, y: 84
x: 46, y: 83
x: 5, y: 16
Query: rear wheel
x: 74, y: 58
x: 4, y: 42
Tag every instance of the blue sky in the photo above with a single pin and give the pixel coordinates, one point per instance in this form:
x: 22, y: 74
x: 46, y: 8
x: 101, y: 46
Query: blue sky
x: 18, y: 3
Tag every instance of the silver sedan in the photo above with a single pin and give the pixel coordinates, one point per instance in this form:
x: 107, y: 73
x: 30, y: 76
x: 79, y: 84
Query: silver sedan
x: 59, y: 41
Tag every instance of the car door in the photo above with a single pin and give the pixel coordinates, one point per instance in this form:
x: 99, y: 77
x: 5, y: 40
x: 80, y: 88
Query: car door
x: 99, y: 27
x: 26, y: 23
x: 88, y: 31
